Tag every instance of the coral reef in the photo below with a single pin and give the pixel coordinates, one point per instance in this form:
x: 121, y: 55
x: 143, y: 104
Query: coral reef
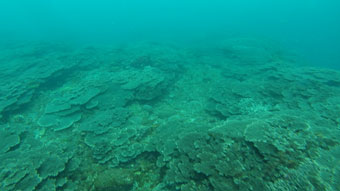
x: 159, y: 117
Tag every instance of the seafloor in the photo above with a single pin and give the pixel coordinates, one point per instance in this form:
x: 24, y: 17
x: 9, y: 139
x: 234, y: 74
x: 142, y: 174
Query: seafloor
x: 242, y: 115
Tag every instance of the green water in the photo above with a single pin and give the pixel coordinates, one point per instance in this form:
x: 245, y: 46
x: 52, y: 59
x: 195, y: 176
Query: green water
x: 169, y: 96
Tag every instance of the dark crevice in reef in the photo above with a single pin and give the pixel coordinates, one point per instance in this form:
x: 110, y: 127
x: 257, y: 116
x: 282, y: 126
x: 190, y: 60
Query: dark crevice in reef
x: 333, y: 83
x: 57, y: 79
x: 14, y: 148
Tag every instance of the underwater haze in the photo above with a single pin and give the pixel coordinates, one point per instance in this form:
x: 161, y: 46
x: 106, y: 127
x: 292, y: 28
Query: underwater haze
x: 131, y: 95
x: 310, y: 28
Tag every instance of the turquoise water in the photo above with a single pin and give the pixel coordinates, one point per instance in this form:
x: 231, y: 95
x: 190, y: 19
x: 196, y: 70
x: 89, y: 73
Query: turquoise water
x: 169, y: 95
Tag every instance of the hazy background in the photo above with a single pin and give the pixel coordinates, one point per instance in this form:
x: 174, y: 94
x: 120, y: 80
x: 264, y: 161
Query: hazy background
x: 309, y: 28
